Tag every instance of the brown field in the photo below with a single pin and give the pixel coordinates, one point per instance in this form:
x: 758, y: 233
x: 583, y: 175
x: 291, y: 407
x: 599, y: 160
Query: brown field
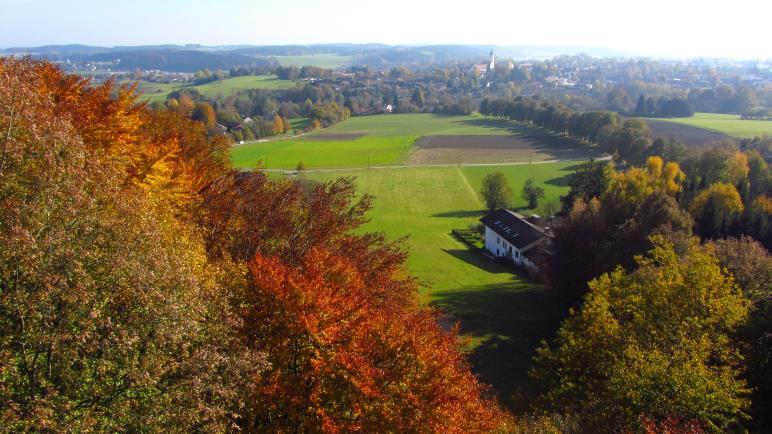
x: 334, y: 137
x: 686, y: 134
x: 464, y: 149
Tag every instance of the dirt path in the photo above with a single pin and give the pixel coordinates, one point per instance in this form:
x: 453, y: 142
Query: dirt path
x: 408, y: 166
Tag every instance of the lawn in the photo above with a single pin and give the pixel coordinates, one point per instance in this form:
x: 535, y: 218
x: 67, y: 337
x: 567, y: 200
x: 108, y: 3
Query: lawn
x: 503, y: 314
x: 158, y: 91
x: 286, y: 153
x: 388, y: 141
x: 229, y: 85
x: 329, y: 61
x: 730, y: 125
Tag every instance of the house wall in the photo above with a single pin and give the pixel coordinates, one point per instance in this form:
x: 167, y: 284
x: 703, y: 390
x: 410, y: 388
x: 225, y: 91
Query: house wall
x: 499, y: 247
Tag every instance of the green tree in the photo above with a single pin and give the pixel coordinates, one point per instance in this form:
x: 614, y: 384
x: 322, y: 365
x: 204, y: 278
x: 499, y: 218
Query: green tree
x: 495, y: 191
x: 640, y: 107
x: 531, y: 193
x: 650, y: 344
x: 587, y: 182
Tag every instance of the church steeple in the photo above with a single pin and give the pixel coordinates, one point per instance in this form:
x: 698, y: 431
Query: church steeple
x: 491, y: 65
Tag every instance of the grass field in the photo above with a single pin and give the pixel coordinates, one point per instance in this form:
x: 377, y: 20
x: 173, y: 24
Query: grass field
x: 158, y: 91
x: 503, y: 314
x: 388, y: 140
x: 329, y: 61
x: 730, y: 125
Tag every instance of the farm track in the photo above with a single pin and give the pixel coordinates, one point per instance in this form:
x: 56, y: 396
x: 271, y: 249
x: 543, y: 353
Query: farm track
x: 414, y: 166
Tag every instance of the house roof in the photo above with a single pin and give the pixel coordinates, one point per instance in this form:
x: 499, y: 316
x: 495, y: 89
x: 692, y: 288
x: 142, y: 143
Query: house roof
x: 514, y: 228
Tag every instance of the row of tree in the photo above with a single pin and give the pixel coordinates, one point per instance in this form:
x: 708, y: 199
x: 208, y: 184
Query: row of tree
x: 663, y: 107
x: 630, y: 140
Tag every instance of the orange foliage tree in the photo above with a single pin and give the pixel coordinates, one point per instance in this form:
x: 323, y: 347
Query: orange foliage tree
x: 341, y: 360
x: 144, y: 285
x: 350, y: 346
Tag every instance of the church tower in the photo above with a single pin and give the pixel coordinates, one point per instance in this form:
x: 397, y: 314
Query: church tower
x: 491, y: 65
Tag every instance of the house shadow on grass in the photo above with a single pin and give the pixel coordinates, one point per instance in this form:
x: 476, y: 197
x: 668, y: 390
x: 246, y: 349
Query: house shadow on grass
x: 476, y: 258
x: 507, y: 322
x: 462, y: 214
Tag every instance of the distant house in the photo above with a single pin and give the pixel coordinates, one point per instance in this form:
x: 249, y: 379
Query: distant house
x: 388, y: 108
x: 509, y: 235
x: 248, y: 120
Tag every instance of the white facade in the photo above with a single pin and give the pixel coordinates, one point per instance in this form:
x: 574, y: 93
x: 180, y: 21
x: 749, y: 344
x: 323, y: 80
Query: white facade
x: 501, y: 248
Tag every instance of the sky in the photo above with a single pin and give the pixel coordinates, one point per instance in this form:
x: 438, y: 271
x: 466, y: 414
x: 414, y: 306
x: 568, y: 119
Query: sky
x: 739, y: 29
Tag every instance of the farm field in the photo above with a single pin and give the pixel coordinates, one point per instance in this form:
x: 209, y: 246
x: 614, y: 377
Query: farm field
x: 385, y: 140
x: 329, y: 61
x: 158, y: 91
x: 731, y: 125
x: 503, y: 315
x: 687, y: 134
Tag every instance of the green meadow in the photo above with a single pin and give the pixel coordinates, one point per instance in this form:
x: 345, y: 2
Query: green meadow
x: 158, y: 91
x: 503, y: 314
x: 387, y: 141
x: 731, y: 125
x: 329, y: 61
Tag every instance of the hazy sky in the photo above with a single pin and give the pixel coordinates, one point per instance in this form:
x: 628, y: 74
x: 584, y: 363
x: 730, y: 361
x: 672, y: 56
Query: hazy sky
x: 673, y: 28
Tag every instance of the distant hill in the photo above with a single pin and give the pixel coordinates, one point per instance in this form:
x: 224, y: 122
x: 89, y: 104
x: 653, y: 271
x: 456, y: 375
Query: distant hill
x: 176, y: 60
x: 193, y: 57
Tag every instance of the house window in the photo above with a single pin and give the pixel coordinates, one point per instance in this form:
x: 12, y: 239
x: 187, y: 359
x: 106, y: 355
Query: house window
x: 517, y: 253
x: 498, y: 241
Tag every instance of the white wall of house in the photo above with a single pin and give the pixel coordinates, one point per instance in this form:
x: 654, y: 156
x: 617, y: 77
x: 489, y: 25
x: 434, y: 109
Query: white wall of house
x: 499, y: 247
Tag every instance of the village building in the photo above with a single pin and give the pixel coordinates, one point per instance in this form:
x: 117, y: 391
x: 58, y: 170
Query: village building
x: 510, y: 236
x: 481, y: 69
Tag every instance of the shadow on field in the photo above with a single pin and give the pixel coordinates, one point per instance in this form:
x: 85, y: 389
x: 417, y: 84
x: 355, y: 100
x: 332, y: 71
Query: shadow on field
x: 464, y: 214
x: 474, y: 257
x: 559, y: 182
x: 572, y: 168
x: 509, y: 321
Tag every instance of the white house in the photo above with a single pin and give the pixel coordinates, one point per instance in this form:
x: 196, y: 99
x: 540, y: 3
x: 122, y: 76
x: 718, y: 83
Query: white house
x: 388, y: 108
x: 511, y: 236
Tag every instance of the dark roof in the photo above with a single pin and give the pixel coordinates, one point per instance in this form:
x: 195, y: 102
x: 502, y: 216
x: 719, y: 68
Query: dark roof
x: 514, y: 228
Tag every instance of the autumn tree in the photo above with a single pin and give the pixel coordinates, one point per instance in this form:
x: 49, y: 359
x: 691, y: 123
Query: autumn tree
x: 203, y: 112
x: 649, y: 345
x: 715, y: 209
x: 342, y: 358
x: 597, y: 235
x: 278, y: 125
x: 751, y: 266
x: 111, y: 317
x: 332, y: 306
x: 495, y: 191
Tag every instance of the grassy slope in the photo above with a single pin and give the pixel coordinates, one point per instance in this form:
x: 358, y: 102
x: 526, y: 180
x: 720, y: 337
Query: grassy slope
x: 330, y: 61
x: 502, y: 313
x: 730, y: 125
x: 388, y: 141
x: 224, y: 87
